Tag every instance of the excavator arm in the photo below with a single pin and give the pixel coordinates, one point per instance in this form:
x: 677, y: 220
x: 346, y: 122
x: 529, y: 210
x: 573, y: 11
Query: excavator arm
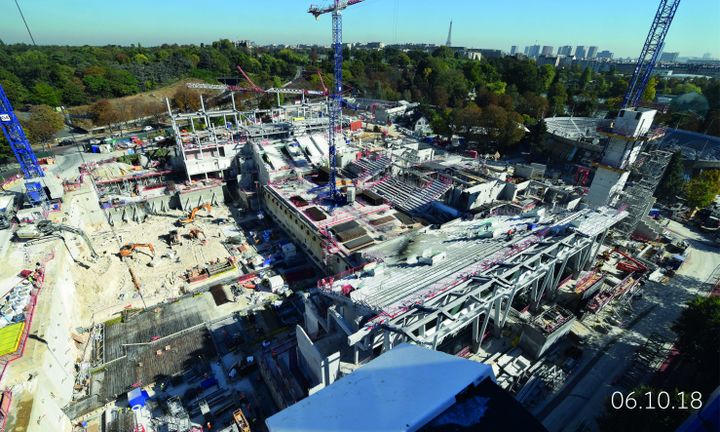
x: 191, y: 217
x: 47, y: 227
x: 129, y: 249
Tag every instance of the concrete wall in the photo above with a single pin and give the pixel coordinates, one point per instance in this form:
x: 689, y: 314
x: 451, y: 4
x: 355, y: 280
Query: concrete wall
x: 320, y: 370
x: 185, y: 201
x: 605, y: 186
x: 535, y: 342
x: 51, y: 362
x: 192, y: 199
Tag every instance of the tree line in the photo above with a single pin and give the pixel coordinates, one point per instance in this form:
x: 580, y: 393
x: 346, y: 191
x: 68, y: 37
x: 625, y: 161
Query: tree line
x: 489, y: 101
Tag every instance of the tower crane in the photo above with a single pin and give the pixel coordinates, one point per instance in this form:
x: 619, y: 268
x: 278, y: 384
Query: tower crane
x: 650, y: 52
x: 29, y: 165
x: 335, y: 102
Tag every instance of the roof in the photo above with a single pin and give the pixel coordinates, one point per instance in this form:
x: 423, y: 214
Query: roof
x: 387, y: 394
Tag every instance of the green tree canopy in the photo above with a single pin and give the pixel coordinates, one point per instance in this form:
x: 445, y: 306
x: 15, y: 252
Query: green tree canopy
x: 698, y: 331
x: 42, y: 125
x: 702, y: 189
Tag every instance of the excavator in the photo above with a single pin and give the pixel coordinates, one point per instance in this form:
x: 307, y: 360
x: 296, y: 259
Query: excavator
x: 45, y: 228
x: 191, y: 217
x: 195, y: 234
x: 128, y: 249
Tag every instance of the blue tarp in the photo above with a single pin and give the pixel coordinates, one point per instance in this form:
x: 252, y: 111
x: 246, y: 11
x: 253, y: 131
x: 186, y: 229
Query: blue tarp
x: 137, y: 397
x: 206, y: 384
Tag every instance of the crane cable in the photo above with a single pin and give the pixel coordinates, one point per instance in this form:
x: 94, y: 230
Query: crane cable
x: 25, y: 21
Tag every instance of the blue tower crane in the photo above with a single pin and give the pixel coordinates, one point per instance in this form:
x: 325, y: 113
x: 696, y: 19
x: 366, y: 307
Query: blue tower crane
x: 31, y: 169
x: 650, y: 52
x: 336, y: 99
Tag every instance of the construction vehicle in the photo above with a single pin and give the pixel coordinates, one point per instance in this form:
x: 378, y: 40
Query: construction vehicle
x: 193, y: 213
x: 240, y: 421
x: 128, y: 249
x: 45, y: 229
x: 7, y: 210
x: 172, y: 238
x: 195, y: 234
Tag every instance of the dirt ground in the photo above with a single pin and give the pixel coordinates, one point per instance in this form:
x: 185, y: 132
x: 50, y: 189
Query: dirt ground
x: 106, y: 283
x: 153, y: 98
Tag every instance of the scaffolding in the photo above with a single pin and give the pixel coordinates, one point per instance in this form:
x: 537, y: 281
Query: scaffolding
x: 639, y: 196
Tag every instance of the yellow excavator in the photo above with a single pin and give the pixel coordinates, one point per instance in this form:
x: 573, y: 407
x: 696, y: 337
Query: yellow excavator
x: 191, y: 217
x: 129, y: 249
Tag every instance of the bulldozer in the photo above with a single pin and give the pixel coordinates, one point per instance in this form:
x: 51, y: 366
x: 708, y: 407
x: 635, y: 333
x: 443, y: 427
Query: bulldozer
x: 193, y: 213
x: 128, y: 249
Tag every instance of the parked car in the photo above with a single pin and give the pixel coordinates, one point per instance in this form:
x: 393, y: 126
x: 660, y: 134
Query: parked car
x: 148, y: 128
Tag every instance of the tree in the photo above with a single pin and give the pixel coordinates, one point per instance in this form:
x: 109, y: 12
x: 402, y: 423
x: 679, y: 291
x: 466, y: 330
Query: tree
x: 502, y: 127
x: 585, y: 78
x: 44, y: 93
x: 104, y: 112
x: 557, y: 95
x: 43, y: 123
x: 698, y: 331
x: 702, y: 189
x: 651, y: 90
x: 688, y: 87
x: 547, y: 75
x: 186, y: 99
x: 468, y: 121
x: 673, y: 179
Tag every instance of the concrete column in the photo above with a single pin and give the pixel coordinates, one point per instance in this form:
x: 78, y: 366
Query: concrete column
x: 483, y: 328
x: 438, y: 323
x: 594, y: 250
x: 541, y: 291
x: 496, y: 319
x: 387, y: 344
x: 558, y: 275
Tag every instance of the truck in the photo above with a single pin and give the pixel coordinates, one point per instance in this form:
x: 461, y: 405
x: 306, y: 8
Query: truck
x: 7, y: 210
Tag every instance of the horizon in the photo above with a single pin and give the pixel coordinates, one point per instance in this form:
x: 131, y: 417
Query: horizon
x: 402, y: 23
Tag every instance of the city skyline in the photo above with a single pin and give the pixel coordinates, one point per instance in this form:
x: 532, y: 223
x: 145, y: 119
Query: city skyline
x: 693, y: 33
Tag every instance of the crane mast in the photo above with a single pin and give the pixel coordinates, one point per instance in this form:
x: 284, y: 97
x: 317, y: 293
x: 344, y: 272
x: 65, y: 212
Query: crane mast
x: 650, y: 52
x: 335, y: 101
x: 29, y: 165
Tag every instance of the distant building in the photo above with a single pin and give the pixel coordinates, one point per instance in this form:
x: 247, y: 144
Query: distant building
x: 244, y: 44
x: 513, y: 50
x: 565, y: 50
x: 473, y: 54
x: 546, y: 50
x: 526, y: 50
x: 669, y: 57
x: 580, y: 52
x: 533, y: 51
x: 490, y: 53
x: 549, y: 59
x: 592, y: 52
x: 374, y: 45
x: 606, y: 55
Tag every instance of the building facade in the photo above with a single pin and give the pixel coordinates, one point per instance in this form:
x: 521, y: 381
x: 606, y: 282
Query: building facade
x: 580, y: 52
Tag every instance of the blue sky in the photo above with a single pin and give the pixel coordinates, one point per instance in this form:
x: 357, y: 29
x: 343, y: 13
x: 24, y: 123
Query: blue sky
x: 617, y: 25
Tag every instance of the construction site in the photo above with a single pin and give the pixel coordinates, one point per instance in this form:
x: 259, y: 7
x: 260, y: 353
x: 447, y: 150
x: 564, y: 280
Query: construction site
x: 267, y: 254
